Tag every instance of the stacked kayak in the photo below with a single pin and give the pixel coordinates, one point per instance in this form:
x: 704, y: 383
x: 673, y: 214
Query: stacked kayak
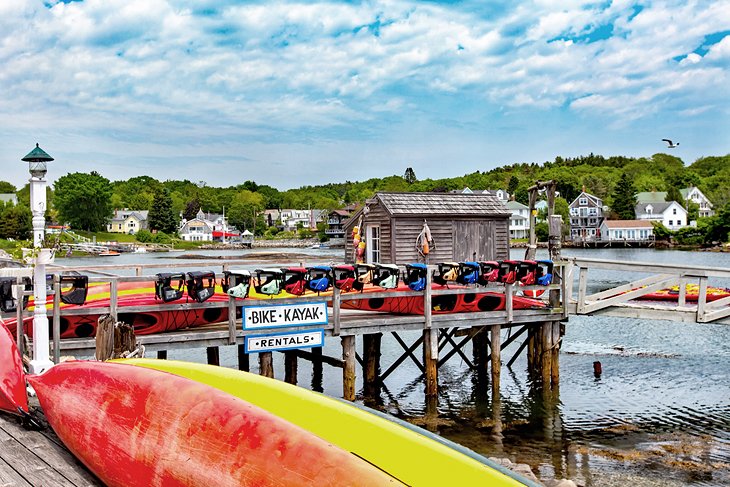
x: 692, y: 293
x: 169, y: 291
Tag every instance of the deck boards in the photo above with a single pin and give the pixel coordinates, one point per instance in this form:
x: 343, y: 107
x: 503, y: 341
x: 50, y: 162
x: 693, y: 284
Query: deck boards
x: 37, y: 458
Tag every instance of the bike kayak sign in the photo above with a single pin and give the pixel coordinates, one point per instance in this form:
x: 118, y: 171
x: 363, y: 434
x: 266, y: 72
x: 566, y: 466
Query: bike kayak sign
x: 284, y: 341
x: 276, y: 316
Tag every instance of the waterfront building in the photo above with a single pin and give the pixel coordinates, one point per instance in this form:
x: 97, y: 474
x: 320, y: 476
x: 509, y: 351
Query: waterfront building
x: 639, y: 231
x: 669, y: 213
x: 519, y: 223
x: 128, y: 221
x: 691, y: 194
x: 335, y: 223
x: 199, y: 229
x: 586, y: 216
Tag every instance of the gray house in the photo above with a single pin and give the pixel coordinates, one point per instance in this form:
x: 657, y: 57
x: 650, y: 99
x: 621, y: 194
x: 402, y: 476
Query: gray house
x: 463, y: 227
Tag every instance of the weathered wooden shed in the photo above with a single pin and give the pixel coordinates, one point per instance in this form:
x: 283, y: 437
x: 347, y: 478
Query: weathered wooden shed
x: 463, y: 227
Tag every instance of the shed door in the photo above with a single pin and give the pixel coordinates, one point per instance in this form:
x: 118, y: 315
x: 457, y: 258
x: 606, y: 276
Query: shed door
x: 372, y: 245
x: 474, y: 240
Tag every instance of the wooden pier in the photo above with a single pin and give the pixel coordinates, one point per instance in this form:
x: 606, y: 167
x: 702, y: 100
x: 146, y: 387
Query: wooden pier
x: 33, y: 458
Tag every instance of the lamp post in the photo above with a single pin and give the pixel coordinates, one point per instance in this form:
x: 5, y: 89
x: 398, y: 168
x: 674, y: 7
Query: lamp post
x: 37, y: 160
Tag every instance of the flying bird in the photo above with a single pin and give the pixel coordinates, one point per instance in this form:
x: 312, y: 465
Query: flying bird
x: 670, y: 144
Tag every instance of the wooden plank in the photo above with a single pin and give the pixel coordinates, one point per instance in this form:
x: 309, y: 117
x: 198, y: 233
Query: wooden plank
x: 582, y: 286
x: 682, y: 300
x: 9, y: 477
x: 614, y: 291
x: 231, y: 320
x: 652, y: 267
x: 591, y: 307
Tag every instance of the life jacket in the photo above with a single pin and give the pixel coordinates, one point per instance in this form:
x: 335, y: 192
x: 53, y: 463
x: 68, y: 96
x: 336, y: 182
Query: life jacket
x: 416, y: 275
x: 344, y: 276
x: 526, y: 272
x: 319, y: 278
x: 544, y: 272
x: 236, y: 283
x: 74, y: 289
x: 295, y: 280
x: 8, y: 301
x: 508, y: 271
x: 468, y: 273
x: 269, y: 281
x: 164, y: 288
x: 489, y: 272
x: 364, y: 275
x: 386, y: 276
x: 201, y: 285
x: 447, y: 272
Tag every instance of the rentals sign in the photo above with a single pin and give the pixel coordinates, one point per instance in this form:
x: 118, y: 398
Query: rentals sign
x: 284, y: 341
x: 276, y: 316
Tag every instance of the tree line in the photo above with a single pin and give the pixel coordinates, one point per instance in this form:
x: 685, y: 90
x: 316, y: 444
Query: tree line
x: 87, y: 201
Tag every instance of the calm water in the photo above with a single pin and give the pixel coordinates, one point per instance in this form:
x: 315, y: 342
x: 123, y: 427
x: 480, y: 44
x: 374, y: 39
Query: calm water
x: 659, y: 414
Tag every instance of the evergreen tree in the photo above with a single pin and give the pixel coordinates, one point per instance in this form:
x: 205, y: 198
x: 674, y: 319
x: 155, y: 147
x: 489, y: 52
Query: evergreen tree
x: 512, y: 185
x: 161, y: 217
x: 191, y: 209
x: 674, y: 195
x: 624, y: 198
x: 410, y: 176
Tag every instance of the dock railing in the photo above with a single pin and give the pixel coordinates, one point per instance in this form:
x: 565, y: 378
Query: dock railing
x: 428, y: 320
x: 622, y: 300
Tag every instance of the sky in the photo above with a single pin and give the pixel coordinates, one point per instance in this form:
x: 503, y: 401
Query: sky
x: 311, y: 92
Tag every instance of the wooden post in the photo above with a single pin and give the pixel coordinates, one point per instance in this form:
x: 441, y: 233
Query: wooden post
x: 114, y: 339
x: 480, y: 345
x: 555, y: 354
x: 266, y: 364
x: 336, y: 305
x: 317, y: 369
x: 231, y: 320
x: 582, y: 286
x: 290, y: 367
x: 431, y: 358
x: 496, y: 359
x: 243, y: 359
x: 546, y: 336
x: 348, y: 371
x: 682, y: 300
x: 113, y: 296
x: 19, y: 323
x: 371, y: 357
x: 56, y: 318
x: 214, y: 356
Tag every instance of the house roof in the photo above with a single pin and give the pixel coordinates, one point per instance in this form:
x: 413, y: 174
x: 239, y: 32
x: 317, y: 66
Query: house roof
x: 121, y: 215
x: 651, y: 197
x: 515, y: 205
x: 592, y: 200
x: 628, y: 223
x: 344, y: 213
x: 441, y: 204
x: 656, y: 207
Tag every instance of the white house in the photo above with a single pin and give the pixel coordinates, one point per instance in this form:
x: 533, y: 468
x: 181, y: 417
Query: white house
x: 627, y: 230
x: 128, y: 221
x: 696, y: 196
x: 199, y: 229
x: 669, y: 213
x: 519, y: 222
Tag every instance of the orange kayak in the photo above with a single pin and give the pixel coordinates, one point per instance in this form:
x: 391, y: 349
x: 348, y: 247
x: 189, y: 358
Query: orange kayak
x: 133, y: 426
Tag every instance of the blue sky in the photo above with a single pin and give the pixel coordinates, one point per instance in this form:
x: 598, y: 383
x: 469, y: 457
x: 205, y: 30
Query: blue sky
x: 295, y: 93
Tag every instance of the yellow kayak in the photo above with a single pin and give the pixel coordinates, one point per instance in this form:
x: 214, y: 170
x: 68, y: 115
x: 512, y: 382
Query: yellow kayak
x: 410, y: 454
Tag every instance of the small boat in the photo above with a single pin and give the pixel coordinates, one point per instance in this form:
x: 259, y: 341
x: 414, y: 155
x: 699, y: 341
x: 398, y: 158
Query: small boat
x: 410, y: 454
x: 108, y: 253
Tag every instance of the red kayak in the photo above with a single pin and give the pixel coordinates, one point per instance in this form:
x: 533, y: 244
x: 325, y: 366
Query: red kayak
x: 134, y: 426
x: 693, y: 294
x: 474, y: 302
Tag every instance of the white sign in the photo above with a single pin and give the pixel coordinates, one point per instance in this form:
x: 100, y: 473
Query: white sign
x: 278, y: 315
x: 284, y: 341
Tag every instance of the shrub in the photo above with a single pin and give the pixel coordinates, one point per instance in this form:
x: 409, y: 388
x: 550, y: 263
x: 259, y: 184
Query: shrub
x: 144, y: 236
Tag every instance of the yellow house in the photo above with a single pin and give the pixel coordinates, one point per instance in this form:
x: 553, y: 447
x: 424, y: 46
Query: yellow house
x: 128, y: 221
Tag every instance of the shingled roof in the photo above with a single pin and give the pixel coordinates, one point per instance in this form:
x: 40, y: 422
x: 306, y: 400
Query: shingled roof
x: 441, y: 204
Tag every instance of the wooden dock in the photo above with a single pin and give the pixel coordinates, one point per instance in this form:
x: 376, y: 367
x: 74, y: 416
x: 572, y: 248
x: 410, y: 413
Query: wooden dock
x: 38, y: 458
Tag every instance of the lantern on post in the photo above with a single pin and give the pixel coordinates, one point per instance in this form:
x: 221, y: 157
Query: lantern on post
x: 37, y: 160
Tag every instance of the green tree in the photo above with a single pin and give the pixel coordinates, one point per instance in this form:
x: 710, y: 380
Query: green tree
x: 673, y: 194
x: 512, y: 185
x: 83, y: 200
x: 15, y: 222
x: 410, y: 176
x: 191, y: 209
x: 624, y: 198
x: 693, y: 211
x: 161, y: 216
x: 6, y: 187
x: 244, y: 208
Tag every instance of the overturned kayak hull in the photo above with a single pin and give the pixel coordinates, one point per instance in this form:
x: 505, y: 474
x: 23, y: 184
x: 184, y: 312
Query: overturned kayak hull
x: 410, y: 454
x: 133, y: 426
